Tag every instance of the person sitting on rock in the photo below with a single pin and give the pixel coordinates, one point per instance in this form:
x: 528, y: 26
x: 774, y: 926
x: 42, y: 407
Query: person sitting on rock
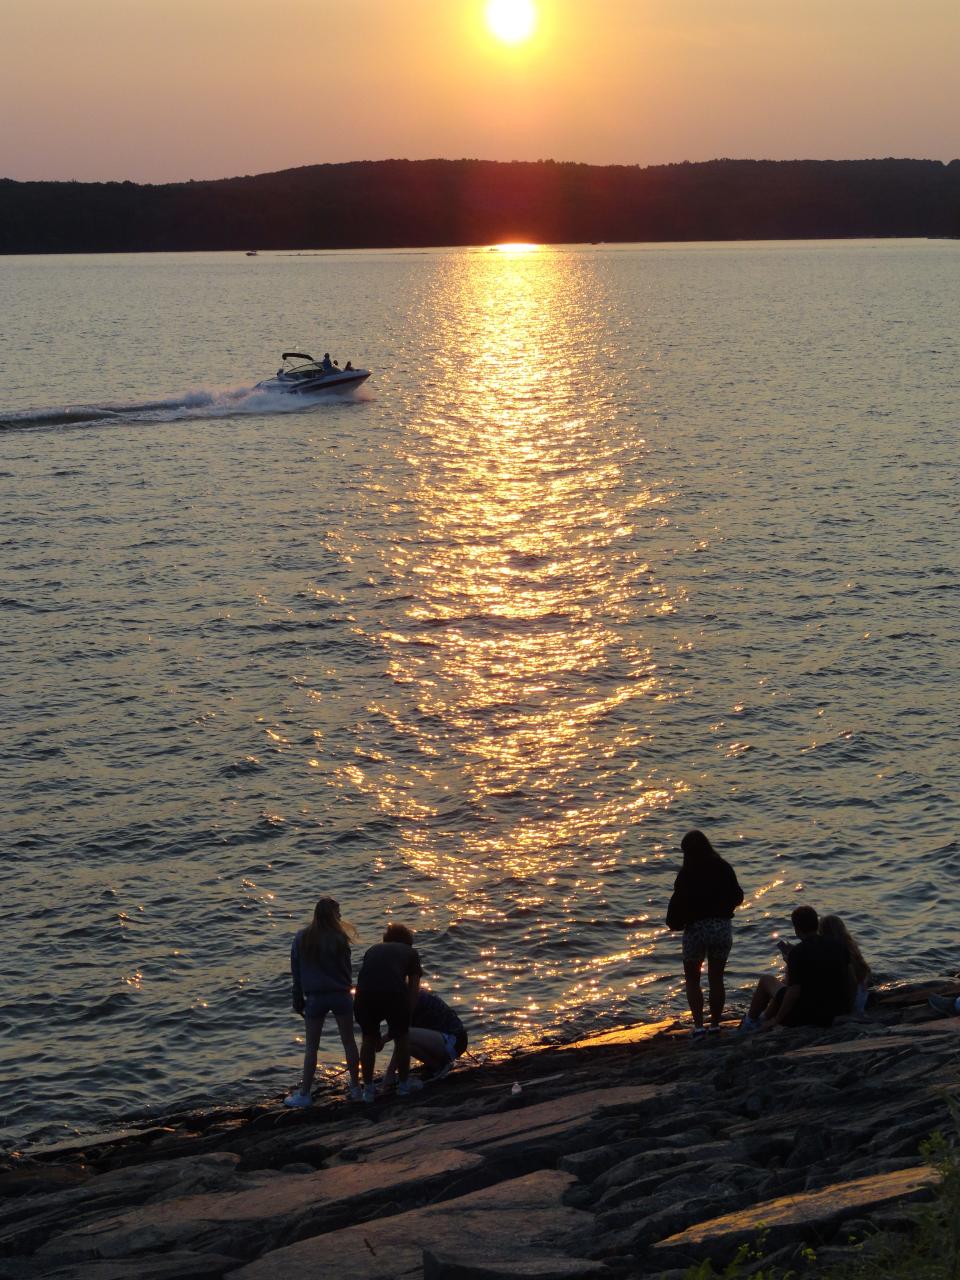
x: 858, y: 976
x: 437, y: 1037
x: 387, y: 989
x: 817, y: 988
x: 833, y: 927
x: 705, y: 895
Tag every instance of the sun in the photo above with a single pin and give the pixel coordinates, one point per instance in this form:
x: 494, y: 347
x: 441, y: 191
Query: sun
x: 511, y: 21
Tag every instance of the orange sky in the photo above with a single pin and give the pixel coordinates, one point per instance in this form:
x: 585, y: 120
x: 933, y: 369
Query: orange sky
x: 161, y: 90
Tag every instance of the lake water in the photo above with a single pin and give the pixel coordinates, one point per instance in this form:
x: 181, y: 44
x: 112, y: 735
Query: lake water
x: 616, y: 542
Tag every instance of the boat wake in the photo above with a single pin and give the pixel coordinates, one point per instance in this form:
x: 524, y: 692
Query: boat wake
x: 223, y: 402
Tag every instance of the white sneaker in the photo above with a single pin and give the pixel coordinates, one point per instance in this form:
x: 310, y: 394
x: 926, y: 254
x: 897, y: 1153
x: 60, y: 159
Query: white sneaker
x: 354, y: 1093
x: 369, y: 1093
x: 749, y: 1024
x: 412, y: 1084
x: 298, y: 1099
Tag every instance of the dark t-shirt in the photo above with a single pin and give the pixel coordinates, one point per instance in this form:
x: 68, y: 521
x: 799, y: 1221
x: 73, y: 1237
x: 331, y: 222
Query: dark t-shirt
x: 820, y: 968
x: 386, y: 968
x: 433, y: 1014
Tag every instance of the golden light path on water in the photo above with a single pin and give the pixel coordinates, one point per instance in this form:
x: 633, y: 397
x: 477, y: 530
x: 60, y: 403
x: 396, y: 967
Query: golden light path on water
x: 595, y: 558
x: 521, y: 689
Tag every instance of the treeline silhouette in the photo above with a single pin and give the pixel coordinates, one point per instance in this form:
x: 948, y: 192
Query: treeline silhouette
x: 392, y: 203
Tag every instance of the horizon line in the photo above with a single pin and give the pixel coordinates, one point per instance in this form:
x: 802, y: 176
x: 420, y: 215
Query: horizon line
x: 546, y: 160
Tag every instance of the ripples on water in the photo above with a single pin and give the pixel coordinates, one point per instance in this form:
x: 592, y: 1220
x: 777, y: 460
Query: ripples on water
x: 618, y: 542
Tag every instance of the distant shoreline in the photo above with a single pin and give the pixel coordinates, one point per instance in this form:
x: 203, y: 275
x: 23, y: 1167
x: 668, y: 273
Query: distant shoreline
x: 418, y: 204
x: 422, y: 250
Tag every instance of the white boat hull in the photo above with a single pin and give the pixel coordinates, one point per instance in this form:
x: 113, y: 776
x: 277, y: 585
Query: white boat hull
x: 345, y: 380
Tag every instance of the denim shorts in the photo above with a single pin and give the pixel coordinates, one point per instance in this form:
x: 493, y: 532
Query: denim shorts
x: 317, y: 1004
x: 455, y: 1044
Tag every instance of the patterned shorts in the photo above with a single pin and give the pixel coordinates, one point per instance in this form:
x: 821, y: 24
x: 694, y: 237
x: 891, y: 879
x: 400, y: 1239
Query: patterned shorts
x: 707, y: 939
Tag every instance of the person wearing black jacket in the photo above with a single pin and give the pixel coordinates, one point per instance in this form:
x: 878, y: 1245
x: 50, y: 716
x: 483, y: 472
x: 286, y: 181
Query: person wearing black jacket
x: 705, y: 895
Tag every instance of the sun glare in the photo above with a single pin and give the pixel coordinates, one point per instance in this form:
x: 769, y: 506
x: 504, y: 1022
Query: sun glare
x: 511, y: 21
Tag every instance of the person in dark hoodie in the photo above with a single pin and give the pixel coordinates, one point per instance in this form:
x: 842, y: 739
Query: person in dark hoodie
x: 320, y: 968
x: 705, y: 895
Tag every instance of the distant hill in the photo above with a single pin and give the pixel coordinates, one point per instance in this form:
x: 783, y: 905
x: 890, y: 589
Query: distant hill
x: 391, y: 203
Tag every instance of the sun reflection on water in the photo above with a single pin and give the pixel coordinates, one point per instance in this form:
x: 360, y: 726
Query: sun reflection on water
x: 516, y: 246
x: 520, y: 691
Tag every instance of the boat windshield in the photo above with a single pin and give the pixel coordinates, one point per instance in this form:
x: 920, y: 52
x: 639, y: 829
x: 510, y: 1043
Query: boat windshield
x: 300, y: 367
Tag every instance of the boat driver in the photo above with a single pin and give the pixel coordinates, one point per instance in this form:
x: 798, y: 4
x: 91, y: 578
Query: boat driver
x: 326, y: 364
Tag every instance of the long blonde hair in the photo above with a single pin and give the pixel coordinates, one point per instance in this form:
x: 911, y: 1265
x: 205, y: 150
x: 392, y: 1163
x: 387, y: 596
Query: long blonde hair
x: 833, y: 927
x: 326, y: 932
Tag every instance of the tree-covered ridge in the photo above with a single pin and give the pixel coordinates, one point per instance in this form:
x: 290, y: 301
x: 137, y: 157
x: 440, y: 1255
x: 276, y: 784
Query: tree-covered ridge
x: 393, y: 203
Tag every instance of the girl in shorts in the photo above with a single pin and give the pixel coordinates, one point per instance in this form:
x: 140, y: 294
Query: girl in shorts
x: 705, y: 895
x: 321, y: 972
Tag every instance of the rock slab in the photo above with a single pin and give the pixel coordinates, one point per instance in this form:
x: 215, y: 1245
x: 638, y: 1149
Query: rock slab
x: 805, y: 1211
x: 521, y: 1220
x: 522, y: 1126
x: 269, y: 1208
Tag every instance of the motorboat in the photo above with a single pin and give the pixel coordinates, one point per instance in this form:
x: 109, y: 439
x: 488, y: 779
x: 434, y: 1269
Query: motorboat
x: 301, y: 375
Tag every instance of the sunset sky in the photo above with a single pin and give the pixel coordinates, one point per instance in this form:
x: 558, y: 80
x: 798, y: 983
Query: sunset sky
x: 163, y: 90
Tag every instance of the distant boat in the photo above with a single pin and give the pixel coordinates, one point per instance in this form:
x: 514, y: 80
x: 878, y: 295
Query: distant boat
x: 251, y: 253
x: 301, y: 375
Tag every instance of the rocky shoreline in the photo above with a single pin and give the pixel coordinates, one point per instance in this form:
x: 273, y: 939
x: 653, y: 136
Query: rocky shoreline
x: 636, y: 1153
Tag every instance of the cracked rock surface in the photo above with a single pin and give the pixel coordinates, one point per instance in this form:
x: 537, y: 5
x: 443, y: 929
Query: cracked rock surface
x: 632, y: 1154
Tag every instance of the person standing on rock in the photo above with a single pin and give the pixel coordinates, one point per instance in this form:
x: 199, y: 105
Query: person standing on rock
x: 387, y: 989
x: 705, y: 895
x: 320, y: 967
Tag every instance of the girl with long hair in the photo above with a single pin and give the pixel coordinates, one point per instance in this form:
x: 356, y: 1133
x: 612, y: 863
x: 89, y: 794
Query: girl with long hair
x: 833, y: 927
x: 705, y: 895
x: 322, y: 976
